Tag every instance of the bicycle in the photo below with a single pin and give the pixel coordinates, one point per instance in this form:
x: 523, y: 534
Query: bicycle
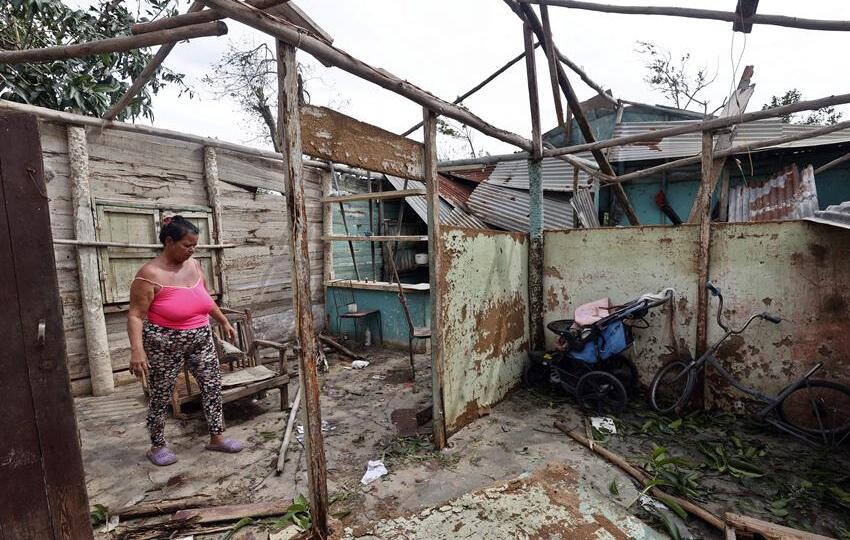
x: 813, y: 410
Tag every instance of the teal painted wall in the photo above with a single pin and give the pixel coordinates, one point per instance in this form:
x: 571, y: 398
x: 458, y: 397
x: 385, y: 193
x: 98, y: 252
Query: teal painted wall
x: 395, y: 327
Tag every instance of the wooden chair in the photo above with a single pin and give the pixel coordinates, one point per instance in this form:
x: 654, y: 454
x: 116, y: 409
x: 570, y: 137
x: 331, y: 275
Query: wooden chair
x: 243, y: 373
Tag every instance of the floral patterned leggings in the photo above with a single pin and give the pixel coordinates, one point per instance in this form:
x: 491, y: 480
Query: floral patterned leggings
x: 167, y: 349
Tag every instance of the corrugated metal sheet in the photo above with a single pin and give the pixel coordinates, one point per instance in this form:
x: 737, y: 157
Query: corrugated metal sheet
x: 454, y: 191
x: 690, y: 144
x: 582, y: 203
x: 473, y: 173
x: 448, y: 214
x: 558, y: 175
x: 508, y: 208
x: 837, y: 215
x: 787, y: 195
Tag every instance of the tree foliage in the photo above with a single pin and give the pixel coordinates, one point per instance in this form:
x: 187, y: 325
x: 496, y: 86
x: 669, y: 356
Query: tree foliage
x: 89, y: 85
x: 675, y: 78
x: 825, y: 116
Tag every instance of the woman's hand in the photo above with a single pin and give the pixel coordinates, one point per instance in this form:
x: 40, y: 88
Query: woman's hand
x: 229, y: 332
x: 139, y: 364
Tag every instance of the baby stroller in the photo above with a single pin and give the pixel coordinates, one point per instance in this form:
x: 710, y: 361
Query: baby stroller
x: 588, y: 361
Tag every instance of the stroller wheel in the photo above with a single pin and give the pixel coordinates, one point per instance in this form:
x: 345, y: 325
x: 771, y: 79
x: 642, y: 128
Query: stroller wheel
x: 535, y: 374
x: 601, y: 393
x: 625, y: 370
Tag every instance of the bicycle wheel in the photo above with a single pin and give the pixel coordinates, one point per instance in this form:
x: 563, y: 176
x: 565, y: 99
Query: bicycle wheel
x: 672, y: 387
x: 601, y: 392
x: 820, y: 408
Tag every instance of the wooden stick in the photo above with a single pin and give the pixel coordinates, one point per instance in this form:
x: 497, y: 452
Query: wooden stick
x: 833, y: 163
x: 156, y: 508
x: 525, y: 13
x: 587, y: 80
x: 341, y: 59
x: 93, y: 243
x: 289, y: 126
x: 145, y: 76
x: 112, y: 45
x: 478, y: 87
x: 551, y: 60
x: 375, y: 238
x: 194, y: 16
x: 706, y: 125
x: 231, y: 512
x: 691, y: 13
x: 770, y: 531
x: 284, y: 446
x: 635, y: 473
x: 214, y: 199
x: 373, y: 195
x: 342, y: 349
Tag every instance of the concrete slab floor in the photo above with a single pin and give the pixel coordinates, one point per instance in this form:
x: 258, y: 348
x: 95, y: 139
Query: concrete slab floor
x: 515, y: 438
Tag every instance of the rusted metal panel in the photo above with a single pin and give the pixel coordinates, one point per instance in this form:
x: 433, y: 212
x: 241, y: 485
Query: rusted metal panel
x: 455, y: 192
x: 557, y: 174
x: 585, y: 209
x: 564, y: 506
x: 484, y: 318
x: 509, y: 208
x: 786, y: 195
x: 330, y: 135
x: 451, y: 216
x: 798, y: 270
x: 583, y: 265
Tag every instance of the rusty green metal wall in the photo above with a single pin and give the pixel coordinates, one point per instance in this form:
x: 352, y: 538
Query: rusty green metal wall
x: 797, y: 269
x: 582, y: 265
x: 484, y: 318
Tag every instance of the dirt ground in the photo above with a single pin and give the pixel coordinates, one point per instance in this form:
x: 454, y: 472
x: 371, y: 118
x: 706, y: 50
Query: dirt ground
x: 516, y: 439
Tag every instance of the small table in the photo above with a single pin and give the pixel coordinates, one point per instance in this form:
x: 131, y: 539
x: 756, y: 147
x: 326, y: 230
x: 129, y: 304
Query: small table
x: 358, y: 315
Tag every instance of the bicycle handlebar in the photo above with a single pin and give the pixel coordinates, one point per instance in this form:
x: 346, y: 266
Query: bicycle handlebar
x: 775, y: 319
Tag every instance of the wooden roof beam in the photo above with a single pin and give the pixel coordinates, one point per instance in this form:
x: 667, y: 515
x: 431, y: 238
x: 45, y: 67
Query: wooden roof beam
x: 113, y: 45
x: 323, y: 52
x: 693, y: 13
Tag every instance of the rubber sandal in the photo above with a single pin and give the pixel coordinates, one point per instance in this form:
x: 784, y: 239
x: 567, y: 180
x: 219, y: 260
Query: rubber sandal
x: 162, y: 457
x: 228, y: 446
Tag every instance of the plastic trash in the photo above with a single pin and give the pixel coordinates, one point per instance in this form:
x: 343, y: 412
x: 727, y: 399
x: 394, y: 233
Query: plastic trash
x: 374, y: 470
x: 603, y: 424
x: 359, y: 364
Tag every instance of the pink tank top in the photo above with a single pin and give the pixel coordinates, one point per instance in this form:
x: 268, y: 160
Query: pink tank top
x: 181, y: 308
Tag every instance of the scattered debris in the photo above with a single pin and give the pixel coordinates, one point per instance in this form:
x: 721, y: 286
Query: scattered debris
x: 359, y: 364
x: 603, y: 424
x: 160, y: 507
x: 299, y: 429
x: 340, y: 348
x: 284, y: 445
x: 374, y: 470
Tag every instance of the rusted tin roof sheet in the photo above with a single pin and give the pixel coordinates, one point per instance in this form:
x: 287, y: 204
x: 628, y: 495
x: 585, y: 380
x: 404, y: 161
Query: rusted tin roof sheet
x: 454, y: 191
x: 508, y: 208
x: 448, y: 214
x: 837, y: 215
x: 787, y: 195
x: 473, y: 173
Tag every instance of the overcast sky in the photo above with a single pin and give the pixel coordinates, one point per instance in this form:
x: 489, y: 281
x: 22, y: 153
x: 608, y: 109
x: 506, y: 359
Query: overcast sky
x: 446, y: 47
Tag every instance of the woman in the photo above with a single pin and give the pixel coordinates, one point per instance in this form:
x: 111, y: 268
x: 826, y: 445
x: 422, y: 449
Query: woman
x: 168, y: 325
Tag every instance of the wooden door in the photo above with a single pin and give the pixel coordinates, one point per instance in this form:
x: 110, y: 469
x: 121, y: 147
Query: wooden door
x: 42, y: 485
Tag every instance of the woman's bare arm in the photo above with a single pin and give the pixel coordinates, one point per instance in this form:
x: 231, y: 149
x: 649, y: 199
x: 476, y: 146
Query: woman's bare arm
x: 141, y: 296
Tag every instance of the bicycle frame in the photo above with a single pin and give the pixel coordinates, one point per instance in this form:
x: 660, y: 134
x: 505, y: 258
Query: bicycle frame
x: 771, y: 402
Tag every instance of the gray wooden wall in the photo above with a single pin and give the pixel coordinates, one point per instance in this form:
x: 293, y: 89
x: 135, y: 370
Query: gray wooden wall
x: 157, y: 170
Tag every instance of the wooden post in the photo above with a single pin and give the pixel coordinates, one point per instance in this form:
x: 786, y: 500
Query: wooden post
x: 289, y: 127
x: 97, y: 344
x: 527, y: 14
x: 704, y: 245
x: 535, y: 212
x: 214, y: 198
x: 724, y: 194
x: 435, y: 271
x: 553, y: 69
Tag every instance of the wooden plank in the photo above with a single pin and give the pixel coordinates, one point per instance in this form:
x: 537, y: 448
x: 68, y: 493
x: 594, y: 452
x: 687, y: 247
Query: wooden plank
x: 327, y: 229
x: 290, y: 137
x: 112, y: 45
x: 375, y: 238
x: 97, y: 343
x: 435, y: 273
x: 214, y: 199
x: 342, y: 139
x: 375, y: 195
x: 232, y: 512
x: 692, y: 13
x: 770, y: 531
x: 33, y: 277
